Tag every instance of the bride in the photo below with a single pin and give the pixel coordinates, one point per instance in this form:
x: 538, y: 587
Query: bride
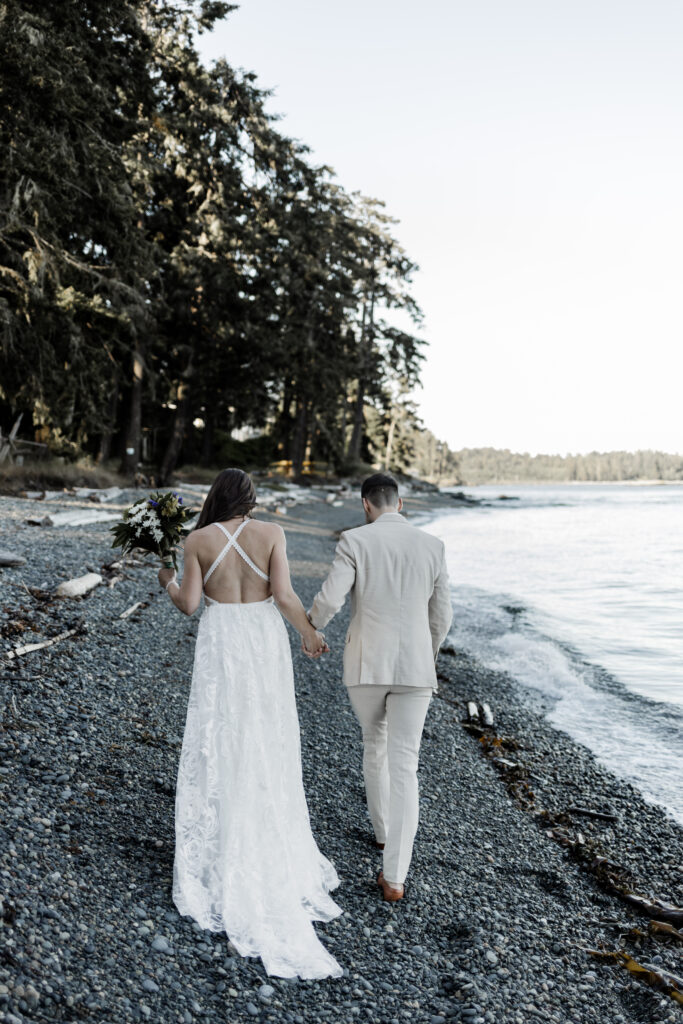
x: 246, y: 861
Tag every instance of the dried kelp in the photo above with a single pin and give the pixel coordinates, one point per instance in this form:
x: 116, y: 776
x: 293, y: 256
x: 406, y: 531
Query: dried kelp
x: 650, y: 974
x: 665, y: 918
x: 657, y: 909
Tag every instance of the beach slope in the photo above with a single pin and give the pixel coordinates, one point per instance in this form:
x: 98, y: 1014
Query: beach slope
x: 502, y: 908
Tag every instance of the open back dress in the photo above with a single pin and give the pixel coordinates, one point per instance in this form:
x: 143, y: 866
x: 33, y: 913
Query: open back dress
x: 246, y: 862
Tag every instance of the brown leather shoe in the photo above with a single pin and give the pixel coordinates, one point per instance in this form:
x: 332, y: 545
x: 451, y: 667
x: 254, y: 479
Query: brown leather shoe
x: 380, y: 846
x: 390, y: 894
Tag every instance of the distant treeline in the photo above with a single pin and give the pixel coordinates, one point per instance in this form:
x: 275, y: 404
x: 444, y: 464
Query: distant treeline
x: 500, y: 465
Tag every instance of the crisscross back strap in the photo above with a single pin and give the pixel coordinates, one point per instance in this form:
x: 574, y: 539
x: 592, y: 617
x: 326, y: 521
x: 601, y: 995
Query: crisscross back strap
x: 232, y: 543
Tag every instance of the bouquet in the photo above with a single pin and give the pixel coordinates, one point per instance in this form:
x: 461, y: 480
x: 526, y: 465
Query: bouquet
x: 156, y: 525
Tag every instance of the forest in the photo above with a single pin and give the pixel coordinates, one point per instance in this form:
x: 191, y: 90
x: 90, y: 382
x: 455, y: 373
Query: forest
x: 496, y: 465
x: 175, y: 271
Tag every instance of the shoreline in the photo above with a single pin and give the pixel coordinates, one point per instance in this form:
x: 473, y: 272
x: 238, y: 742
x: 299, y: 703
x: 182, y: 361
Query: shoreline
x: 573, y: 483
x: 498, y: 916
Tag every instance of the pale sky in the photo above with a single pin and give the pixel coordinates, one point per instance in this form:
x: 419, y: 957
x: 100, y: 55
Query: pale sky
x: 533, y: 153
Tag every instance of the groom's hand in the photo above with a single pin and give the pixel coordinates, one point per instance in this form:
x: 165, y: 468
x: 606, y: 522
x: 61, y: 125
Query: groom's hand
x: 316, y: 650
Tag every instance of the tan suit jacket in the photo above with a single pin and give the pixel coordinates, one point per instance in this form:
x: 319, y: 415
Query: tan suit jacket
x: 400, y: 602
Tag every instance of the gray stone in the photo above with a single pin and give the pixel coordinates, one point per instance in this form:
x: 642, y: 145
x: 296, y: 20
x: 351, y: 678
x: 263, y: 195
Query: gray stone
x: 160, y: 944
x: 266, y: 992
x: 31, y: 995
x: 9, y: 558
x: 149, y: 985
x: 253, y: 1010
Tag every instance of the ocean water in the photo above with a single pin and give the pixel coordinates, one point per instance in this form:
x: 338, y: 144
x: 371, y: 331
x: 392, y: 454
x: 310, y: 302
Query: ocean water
x: 576, y: 590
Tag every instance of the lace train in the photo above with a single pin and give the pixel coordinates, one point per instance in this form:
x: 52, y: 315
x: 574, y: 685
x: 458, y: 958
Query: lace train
x: 246, y: 861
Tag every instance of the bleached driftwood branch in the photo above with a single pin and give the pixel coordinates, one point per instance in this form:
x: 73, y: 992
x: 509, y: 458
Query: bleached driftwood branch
x: 28, y: 648
x: 133, y: 608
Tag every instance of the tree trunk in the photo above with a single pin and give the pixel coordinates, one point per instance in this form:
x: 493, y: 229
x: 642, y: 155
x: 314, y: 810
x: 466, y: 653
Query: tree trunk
x: 300, y: 437
x: 104, y: 450
x: 390, y: 439
x: 175, y: 444
x: 131, y: 452
x: 359, y: 407
x: 344, y: 416
x: 206, y: 457
x: 430, y: 472
x: 284, y: 429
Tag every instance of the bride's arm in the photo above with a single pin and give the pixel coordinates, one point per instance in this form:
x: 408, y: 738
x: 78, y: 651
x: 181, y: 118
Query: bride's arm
x: 287, y: 600
x: 186, y: 595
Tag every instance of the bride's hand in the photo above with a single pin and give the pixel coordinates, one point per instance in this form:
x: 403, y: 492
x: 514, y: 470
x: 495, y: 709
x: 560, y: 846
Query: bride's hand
x: 314, y: 644
x: 164, y: 575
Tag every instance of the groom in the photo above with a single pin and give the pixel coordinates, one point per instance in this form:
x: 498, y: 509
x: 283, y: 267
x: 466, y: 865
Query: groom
x: 400, y: 615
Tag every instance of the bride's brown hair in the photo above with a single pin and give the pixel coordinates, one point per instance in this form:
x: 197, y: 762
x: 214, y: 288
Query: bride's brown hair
x: 232, y: 494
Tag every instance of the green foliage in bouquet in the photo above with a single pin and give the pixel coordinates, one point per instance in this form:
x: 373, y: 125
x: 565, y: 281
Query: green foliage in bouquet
x: 156, y: 525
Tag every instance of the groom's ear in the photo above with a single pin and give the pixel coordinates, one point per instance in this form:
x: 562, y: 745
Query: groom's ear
x: 400, y: 504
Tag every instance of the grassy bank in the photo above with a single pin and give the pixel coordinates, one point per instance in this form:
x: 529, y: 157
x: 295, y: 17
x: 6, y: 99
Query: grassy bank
x: 56, y: 475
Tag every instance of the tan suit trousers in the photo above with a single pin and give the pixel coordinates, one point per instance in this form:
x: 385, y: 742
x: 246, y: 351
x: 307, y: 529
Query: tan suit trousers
x: 392, y: 719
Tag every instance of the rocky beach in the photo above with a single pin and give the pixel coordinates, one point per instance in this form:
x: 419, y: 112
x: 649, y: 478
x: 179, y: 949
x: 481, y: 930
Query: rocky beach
x: 522, y: 901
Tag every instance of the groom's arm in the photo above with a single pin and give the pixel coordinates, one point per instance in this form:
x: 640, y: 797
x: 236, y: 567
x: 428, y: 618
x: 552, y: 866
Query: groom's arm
x: 440, y: 608
x: 340, y: 579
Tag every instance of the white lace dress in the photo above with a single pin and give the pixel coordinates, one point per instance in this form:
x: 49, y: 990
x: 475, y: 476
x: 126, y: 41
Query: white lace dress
x: 246, y: 861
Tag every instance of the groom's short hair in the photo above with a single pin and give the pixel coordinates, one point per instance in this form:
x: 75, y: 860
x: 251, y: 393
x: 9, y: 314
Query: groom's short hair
x: 380, y: 489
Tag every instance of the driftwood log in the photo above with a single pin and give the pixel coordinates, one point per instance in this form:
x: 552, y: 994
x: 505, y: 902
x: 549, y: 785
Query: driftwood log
x: 82, y: 516
x: 472, y: 711
x: 79, y: 586
x: 588, y: 812
x: 9, y: 558
x: 98, y: 493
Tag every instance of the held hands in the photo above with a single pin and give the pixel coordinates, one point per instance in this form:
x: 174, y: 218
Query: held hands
x: 313, y: 643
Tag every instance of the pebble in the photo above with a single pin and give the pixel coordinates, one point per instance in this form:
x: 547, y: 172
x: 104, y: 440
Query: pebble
x: 31, y: 996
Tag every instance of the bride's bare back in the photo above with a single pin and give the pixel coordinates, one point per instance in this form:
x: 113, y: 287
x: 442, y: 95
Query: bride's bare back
x: 240, y: 561
x: 234, y: 580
